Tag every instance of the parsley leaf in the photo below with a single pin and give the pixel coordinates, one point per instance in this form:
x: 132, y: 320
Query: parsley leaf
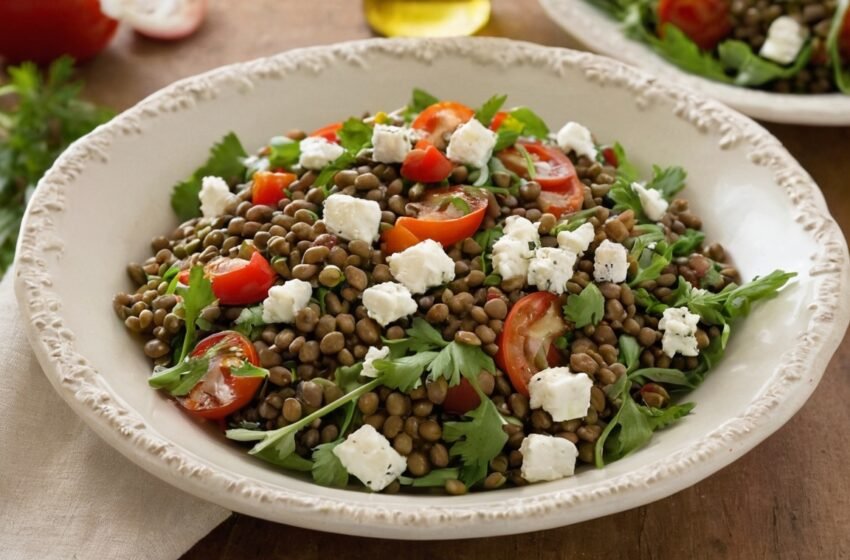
x: 196, y: 296
x: 421, y: 100
x: 669, y: 181
x: 625, y: 198
x: 225, y: 161
x: 532, y: 124
x: 752, y: 70
x: 651, y: 262
x: 327, y: 469
x: 625, y: 168
x: 487, y: 111
x: 477, y: 441
x: 585, y: 308
x: 508, y: 133
x: 327, y: 173
x: 405, y: 373
x: 688, y: 243
x: 421, y: 337
x: 354, y: 135
x: 458, y: 359
x: 283, y: 152
x: 676, y: 47
x: 247, y: 369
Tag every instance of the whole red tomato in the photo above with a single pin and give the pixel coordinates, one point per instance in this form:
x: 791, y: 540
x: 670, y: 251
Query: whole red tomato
x: 41, y: 30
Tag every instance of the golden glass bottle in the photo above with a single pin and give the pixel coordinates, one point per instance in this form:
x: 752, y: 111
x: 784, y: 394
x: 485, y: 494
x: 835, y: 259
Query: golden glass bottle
x: 426, y: 18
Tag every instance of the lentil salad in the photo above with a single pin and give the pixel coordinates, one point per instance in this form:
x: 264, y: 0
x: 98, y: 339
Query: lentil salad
x: 794, y: 46
x: 438, y: 297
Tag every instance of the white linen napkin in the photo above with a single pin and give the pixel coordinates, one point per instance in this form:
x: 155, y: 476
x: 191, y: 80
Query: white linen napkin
x: 64, y: 493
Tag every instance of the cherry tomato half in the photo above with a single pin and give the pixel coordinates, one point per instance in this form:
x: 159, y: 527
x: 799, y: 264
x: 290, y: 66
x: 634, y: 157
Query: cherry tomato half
x: 562, y: 190
x: 705, y: 22
x: 426, y: 163
x: 218, y: 393
x: 41, y: 30
x: 269, y: 187
x: 461, y: 398
x: 440, y: 118
x: 526, y: 343
x: 236, y: 281
x: 328, y: 132
x: 446, y: 215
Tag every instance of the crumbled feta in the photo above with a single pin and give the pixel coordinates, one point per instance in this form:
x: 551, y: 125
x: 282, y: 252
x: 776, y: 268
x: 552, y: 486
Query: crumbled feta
x: 560, y: 392
x: 551, y: 268
x: 285, y: 301
x: 512, y: 251
x: 369, y: 456
x: 371, y: 355
x: 547, y: 458
x: 577, y: 138
x: 422, y: 266
x: 471, y: 144
x: 214, y: 196
x: 610, y: 263
x: 577, y: 241
x: 680, y: 328
x: 654, y: 205
x: 388, y: 302
x: 390, y: 144
x: 353, y: 218
x: 785, y: 38
x: 317, y: 152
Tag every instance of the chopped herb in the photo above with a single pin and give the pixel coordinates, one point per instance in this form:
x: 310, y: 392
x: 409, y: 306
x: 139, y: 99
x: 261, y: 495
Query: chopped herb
x: 532, y: 124
x: 477, y: 440
x: 485, y: 239
x: 250, y: 321
x: 669, y: 180
x: 434, y: 479
x: 283, y: 152
x: 456, y: 360
x: 529, y: 163
x: 196, y: 296
x: 355, y: 135
x: 487, y: 111
x: 585, y: 308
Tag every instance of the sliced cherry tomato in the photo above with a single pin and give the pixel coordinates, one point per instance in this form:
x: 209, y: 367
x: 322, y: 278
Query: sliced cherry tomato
x: 610, y: 156
x: 526, y: 344
x: 269, y: 188
x: 705, y: 22
x: 461, y: 398
x: 445, y: 215
x: 218, y: 393
x: 441, y: 118
x: 328, y: 132
x: 398, y: 238
x: 237, y: 281
x: 41, y: 30
x: 559, y: 203
x: 426, y: 163
x: 497, y: 121
x: 562, y: 190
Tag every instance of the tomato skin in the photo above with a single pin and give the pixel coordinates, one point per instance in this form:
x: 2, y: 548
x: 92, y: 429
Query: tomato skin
x: 442, y: 117
x: 328, y: 132
x: 398, y: 238
x: 555, y: 173
x: 233, y: 349
x: 610, y: 156
x: 461, y: 398
x: 41, y: 30
x: 532, y: 324
x: 426, y: 164
x: 558, y: 203
x: 497, y: 121
x: 434, y: 224
x: 240, y: 282
x: 705, y: 22
x: 268, y: 188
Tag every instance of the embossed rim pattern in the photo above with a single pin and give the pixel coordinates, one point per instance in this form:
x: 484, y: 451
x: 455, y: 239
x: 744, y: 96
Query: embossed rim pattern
x: 88, y: 394
x: 598, y: 32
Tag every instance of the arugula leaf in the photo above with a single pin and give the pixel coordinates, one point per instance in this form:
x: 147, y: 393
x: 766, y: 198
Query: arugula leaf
x: 458, y: 359
x: 688, y: 243
x: 179, y: 379
x: 529, y: 163
x: 346, y: 377
x: 625, y: 168
x: 752, y: 70
x: 477, y: 441
x: 508, y: 133
x: 651, y: 263
x: 669, y: 181
x: 840, y: 67
x: 196, y: 296
x: 625, y: 198
x: 250, y: 321
x: 573, y: 221
x: 585, y: 308
x: 435, y: 478
x: 404, y: 374
x: 662, y: 417
x: 532, y: 124
x: 629, y: 352
x: 460, y: 204
x: 354, y: 135
x: 327, y: 469
x: 739, y: 300
x: 661, y: 375
x: 283, y: 152
x: 225, y: 161
x: 487, y: 111
x: 676, y: 47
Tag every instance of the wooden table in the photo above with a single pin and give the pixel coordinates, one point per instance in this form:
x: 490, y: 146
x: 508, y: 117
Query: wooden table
x: 789, y: 498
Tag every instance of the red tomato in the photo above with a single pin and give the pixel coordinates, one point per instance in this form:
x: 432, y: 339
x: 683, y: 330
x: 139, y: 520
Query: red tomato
x: 328, y: 132
x: 441, y: 220
x: 426, y: 163
x: 705, y: 22
x: 461, y: 398
x: 562, y: 191
x: 218, y: 393
x: 497, y: 121
x: 41, y: 30
x: 610, y: 156
x: 440, y: 118
x: 398, y: 238
x: 269, y: 187
x: 237, y: 281
x: 526, y: 343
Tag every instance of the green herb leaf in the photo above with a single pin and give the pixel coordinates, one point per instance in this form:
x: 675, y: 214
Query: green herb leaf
x: 485, y: 239
x: 477, y: 441
x: 651, y: 263
x: 752, y: 70
x: 662, y: 417
x: 661, y: 375
x: 421, y: 100
x: 225, y: 161
x: 629, y: 352
x: 585, y: 308
x: 327, y: 469
x: 532, y: 124
x: 250, y: 321
x: 456, y: 360
x: 405, y: 373
x: 840, y: 67
x: 196, y: 296
x: 354, y: 135
x: 326, y: 175
x: 529, y: 163
x: 688, y: 243
x: 179, y: 379
x: 625, y: 168
x: 676, y: 47
x: 508, y: 133
x: 247, y: 369
x: 625, y: 198
x: 487, y: 111
x: 460, y: 204
x: 434, y: 479
x: 283, y: 152
x: 347, y: 377
x: 669, y: 181
x: 421, y: 337
x: 573, y: 221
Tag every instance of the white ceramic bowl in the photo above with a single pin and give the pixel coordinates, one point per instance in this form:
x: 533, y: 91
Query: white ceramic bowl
x: 105, y: 198
x: 602, y: 34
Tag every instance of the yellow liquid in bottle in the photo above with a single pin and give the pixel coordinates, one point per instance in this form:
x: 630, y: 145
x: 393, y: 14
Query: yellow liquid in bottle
x: 427, y: 18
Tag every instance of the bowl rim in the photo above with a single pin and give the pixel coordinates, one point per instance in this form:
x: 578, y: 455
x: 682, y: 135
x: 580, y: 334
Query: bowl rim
x: 85, y: 390
x: 600, y: 33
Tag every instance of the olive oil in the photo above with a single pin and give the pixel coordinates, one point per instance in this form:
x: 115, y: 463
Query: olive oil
x: 427, y: 18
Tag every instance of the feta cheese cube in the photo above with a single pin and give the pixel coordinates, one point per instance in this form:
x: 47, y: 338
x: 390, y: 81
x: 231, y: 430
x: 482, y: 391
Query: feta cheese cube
x: 352, y: 218
x: 371, y: 355
x: 654, y: 205
x: 471, y: 144
x: 369, y: 456
x: 388, y: 302
x: 215, y: 195
x: 560, y: 392
x: 577, y: 138
x: 547, y: 458
x: 610, y: 263
x: 577, y: 241
x: 785, y: 39
x: 512, y: 251
x: 680, y: 328
x: 317, y: 152
x: 283, y: 302
x: 390, y: 144
x: 551, y: 268
x: 422, y: 266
